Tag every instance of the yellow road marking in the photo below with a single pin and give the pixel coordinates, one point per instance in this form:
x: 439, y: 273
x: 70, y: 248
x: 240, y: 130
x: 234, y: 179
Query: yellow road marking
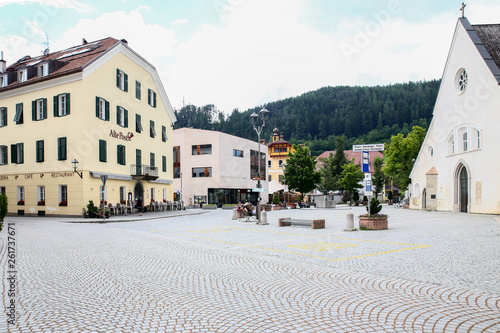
x: 322, y: 246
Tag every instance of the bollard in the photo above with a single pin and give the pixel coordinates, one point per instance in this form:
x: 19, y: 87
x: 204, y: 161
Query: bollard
x: 349, y: 222
x: 235, y: 216
x: 83, y: 213
x: 263, y: 218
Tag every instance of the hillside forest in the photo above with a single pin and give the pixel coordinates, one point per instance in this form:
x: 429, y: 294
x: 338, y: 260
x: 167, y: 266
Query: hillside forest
x: 361, y: 114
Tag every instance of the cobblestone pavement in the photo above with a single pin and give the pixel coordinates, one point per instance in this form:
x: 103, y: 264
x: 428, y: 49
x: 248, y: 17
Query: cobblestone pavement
x: 203, y: 272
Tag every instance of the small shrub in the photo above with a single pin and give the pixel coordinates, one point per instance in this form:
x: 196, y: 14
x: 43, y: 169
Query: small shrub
x: 3, y: 209
x: 355, y: 196
x: 365, y: 199
x: 375, y: 207
x: 390, y: 196
x: 276, y: 198
x: 346, y: 197
x: 91, y: 209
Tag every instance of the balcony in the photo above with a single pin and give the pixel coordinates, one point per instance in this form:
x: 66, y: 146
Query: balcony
x: 143, y: 171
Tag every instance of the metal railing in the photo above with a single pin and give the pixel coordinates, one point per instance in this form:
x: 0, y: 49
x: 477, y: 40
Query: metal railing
x: 143, y: 171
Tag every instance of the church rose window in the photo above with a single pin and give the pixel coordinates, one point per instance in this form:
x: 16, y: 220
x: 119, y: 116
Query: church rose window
x: 462, y: 79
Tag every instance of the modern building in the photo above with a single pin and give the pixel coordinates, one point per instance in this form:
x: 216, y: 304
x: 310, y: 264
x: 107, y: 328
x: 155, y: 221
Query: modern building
x: 216, y: 168
x: 457, y: 166
x: 98, y: 103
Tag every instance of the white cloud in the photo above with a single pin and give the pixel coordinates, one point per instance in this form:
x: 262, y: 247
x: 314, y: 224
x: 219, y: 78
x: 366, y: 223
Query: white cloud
x: 180, y: 22
x: 151, y: 41
x: 71, y: 4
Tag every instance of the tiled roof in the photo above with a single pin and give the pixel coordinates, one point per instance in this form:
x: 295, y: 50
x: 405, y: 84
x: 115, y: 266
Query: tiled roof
x: 352, y: 154
x: 64, y: 62
x: 486, y: 37
x: 490, y: 36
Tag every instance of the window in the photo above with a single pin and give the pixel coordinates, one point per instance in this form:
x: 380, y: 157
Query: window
x: 121, y: 80
x: 17, y: 153
x: 3, y: 117
x: 39, y: 109
x: 280, y: 163
x: 61, y: 105
x: 123, y: 194
x: 254, y: 164
x: 269, y: 163
x: 20, y: 195
x: 464, y: 136
x: 164, y: 194
x: 63, y: 195
x: 151, y: 98
x: 202, y: 172
x: 153, y: 194
x: 2, y: 190
x: 164, y: 163
x: 461, y: 80
x: 137, y: 90
x: 4, y: 81
x: 3, y: 155
x: 152, y: 159
x: 237, y: 153
x: 61, y: 149
x: 43, y: 69
x: 102, y: 151
x: 163, y: 134
x: 152, y: 132
x: 138, y: 126
x: 269, y: 178
x: 202, y: 149
x: 121, y: 154
x: 18, y: 118
x: 177, y: 162
x: 280, y: 179
x: 101, y: 108
x: 121, y: 116
x: 22, y: 75
x: 40, y: 195
x: 39, y: 151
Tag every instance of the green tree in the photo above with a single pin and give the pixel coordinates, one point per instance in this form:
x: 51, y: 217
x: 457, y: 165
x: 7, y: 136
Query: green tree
x: 300, y: 173
x: 339, y: 160
x: 352, y: 176
x: 3, y: 209
x: 378, y: 175
x: 401, y: 153
x: 276, y: 198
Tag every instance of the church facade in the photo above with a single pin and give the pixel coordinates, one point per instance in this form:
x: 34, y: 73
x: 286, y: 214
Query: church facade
x: 457, y: 168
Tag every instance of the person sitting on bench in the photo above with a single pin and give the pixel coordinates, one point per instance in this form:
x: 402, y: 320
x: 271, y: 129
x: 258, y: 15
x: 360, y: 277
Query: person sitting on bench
x: 248, y: 207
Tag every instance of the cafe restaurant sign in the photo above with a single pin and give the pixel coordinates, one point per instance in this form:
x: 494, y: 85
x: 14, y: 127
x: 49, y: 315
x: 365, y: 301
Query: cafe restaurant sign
x: 121, y: 136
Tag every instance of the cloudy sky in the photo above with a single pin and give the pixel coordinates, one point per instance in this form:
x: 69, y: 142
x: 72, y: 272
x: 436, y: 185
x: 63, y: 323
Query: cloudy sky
x: 245, y: 53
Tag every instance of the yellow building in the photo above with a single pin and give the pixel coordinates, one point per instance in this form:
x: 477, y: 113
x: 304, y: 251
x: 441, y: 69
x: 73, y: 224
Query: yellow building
x: 277, y: 154
x: 99, y: 103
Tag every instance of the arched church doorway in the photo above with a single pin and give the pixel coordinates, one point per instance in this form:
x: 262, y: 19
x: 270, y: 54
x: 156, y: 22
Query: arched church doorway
x: 463, y: 189
x: 138, y: 191
x: 424, y: 199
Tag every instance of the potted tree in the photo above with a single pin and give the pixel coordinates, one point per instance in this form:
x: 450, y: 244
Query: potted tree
x: 355, y: 197
x: 276, y: 201
x: 373, y: 220
x: 390, y: 196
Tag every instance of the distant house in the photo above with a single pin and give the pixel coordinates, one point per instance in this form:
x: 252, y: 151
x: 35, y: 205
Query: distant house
x: 457, y: 168
x: 216, y: 168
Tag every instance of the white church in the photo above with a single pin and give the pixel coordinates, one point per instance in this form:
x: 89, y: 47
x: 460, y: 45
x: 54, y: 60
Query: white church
x: 458, y: 166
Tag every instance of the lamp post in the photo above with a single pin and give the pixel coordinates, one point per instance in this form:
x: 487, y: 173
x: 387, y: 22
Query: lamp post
x: 254, y: 119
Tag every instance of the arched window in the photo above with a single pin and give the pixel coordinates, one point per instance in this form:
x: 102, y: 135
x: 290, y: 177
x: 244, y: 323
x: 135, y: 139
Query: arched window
x: 463, y: 139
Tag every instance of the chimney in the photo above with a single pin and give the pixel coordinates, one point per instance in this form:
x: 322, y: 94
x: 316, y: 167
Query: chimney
x: 124, y: 41
x: 3, y: 64
x: 84, y: 41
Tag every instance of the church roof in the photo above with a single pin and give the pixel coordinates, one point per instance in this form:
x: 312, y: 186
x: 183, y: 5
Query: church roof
x: 486, y: 37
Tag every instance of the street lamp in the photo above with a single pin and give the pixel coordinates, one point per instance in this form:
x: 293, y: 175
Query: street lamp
x: 254, y: 119
x: 75, y: 165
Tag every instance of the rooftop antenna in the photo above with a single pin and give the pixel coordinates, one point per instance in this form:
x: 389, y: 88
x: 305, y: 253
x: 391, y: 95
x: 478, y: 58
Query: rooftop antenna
x: 46, y: 51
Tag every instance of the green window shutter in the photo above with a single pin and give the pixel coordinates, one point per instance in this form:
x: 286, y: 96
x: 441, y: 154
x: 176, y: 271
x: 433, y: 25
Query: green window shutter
x: 102, y: 151
x: 117, y: 115
x: 56, y: 106
x: 118, y: 78
x: 149, y: 96
x: 3, y: 111
x: 97, y: 107
x: 164, y: 163
x: 40, y: 151
x: 33, y: 110
x: 118, y: 155
x: 126, y: 117
x: 21, y: 153
x: 163, y: 134
x: 152, y: 159
x: 67, y: 103
x: 154, y: 99
x: 126, y: 81
x: 137, y: 90
x: 13, y: 154
x: 5, y: 154
x: 107, y: 111
x: 61, y: 149
x: 44, y: 108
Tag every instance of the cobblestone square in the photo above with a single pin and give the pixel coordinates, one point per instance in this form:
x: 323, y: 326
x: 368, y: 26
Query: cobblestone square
x: 200, y: 271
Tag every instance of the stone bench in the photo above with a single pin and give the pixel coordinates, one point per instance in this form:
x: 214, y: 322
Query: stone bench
x: 315, y: 224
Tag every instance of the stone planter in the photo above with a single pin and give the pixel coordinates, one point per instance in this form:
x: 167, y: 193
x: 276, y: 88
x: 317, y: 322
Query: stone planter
x: 390, y: 203
x: 239, y: 214
x: 373, y: 223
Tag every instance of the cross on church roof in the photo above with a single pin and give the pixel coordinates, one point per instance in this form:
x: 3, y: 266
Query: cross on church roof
x: 462, y: 9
